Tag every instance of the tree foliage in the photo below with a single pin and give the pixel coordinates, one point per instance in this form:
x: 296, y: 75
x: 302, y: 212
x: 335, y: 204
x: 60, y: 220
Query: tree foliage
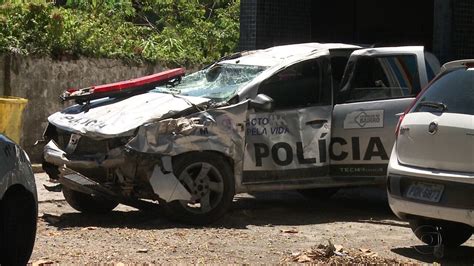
x: 167, y: 31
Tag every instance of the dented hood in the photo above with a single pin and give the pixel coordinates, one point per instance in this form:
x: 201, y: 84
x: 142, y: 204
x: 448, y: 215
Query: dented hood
x: 108, y: 118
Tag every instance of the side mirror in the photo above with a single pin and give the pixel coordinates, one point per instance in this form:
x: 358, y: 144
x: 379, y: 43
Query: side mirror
x: 262, y: 102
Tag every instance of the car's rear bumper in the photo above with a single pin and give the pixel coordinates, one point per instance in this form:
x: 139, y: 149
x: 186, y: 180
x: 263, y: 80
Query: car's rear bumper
x: 407, y: 209
x: 456, y: 203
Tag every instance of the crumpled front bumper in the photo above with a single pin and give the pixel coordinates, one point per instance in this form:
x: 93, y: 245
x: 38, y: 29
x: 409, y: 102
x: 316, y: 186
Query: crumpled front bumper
x: 162, y: 180
x: 55, y: 155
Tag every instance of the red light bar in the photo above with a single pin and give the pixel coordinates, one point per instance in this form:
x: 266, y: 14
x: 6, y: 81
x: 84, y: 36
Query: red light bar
x: 132, y: 86
x: 118, y: 86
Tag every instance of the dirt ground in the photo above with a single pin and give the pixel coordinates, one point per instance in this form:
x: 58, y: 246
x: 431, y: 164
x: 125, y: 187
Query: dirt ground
x: 260, y: 228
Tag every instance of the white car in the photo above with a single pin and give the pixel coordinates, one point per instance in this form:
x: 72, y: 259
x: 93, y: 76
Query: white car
x: 18, y: 204
x: 431, y: 169
x: 313, y: 117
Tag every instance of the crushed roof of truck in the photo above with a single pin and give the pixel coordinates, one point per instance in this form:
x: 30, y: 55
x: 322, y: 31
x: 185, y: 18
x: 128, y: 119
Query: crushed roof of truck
x: 277, y: 54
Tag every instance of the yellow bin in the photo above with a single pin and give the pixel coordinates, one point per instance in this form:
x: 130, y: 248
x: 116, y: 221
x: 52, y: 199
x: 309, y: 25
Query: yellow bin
x: 11, y: 114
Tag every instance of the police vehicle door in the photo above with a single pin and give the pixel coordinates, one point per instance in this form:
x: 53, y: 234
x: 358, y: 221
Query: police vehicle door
x: 291, y: 142
x: 378, y: 83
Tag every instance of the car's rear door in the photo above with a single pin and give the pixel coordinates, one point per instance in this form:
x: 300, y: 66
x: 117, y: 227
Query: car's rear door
x: 289, y: 145
x: 438, y: 133
x: 378, y: 84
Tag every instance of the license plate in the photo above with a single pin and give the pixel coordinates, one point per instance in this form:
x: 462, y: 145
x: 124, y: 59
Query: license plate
x: 425, y: 192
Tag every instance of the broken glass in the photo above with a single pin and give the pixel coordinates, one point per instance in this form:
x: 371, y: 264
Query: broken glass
x: 219, y: 82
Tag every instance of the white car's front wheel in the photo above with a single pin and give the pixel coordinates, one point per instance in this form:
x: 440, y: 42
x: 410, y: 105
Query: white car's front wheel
x: 209, y: 178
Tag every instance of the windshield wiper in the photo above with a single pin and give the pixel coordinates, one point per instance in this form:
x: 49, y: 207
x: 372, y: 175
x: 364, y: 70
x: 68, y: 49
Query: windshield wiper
x: 435, y: 105
x: 174, y: 82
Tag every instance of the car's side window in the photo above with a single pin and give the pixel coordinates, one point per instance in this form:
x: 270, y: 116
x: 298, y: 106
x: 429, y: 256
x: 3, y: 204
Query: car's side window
x: 302, y: 84
x: 383, y: 77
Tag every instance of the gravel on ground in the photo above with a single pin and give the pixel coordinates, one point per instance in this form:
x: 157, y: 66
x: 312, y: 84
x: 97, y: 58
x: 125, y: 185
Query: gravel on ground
x: 354, y: 226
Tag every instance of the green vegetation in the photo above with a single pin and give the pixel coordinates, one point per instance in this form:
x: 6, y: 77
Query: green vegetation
x: 166, y: 31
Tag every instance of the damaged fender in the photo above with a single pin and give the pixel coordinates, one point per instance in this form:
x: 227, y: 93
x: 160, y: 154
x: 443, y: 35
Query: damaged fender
x: 166, y: 184
x: 221, y: 130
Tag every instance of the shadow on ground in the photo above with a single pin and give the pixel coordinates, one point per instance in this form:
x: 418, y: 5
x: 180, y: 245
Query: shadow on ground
x: 367, y: 205
x: 463, y: 255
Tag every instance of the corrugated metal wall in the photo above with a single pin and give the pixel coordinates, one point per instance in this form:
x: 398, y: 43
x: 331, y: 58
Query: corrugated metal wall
x: 266, y: 23
x: 445, y: 27
x: 463, y: 29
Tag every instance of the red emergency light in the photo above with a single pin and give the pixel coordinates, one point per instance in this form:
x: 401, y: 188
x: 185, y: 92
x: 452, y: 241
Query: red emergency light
x: 128, y: 87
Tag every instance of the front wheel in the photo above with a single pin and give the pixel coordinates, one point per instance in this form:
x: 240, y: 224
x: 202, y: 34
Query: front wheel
x: 87, y: 203
x: 210, y: 180
x: 432, y: 232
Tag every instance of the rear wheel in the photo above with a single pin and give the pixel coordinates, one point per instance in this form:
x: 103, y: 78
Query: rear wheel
x: 210, y: 180
x: 318, y: 193
x: 18, y: 212
x: 431, y: 232
x: 87, y: 203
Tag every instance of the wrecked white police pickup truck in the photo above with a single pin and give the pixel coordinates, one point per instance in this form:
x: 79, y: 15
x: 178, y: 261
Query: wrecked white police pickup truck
x: 312, y: 117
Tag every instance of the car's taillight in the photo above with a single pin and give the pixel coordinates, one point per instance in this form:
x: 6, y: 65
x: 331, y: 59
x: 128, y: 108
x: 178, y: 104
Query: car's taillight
x: 400, y: 120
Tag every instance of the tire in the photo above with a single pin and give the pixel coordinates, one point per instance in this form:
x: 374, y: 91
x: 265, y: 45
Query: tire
x: 207, y: 176
x: 318, y: 193
x: 88, y: 203
x: 18, y: 216
x: 451, y: 234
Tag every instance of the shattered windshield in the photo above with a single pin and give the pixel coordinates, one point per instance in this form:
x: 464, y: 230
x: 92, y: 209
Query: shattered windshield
x: 219, y: 82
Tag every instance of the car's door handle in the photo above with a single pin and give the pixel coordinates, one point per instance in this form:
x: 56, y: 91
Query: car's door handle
x: 316, y: 122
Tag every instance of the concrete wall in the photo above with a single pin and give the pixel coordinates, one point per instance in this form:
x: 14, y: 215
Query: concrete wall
x: 41, y: 80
